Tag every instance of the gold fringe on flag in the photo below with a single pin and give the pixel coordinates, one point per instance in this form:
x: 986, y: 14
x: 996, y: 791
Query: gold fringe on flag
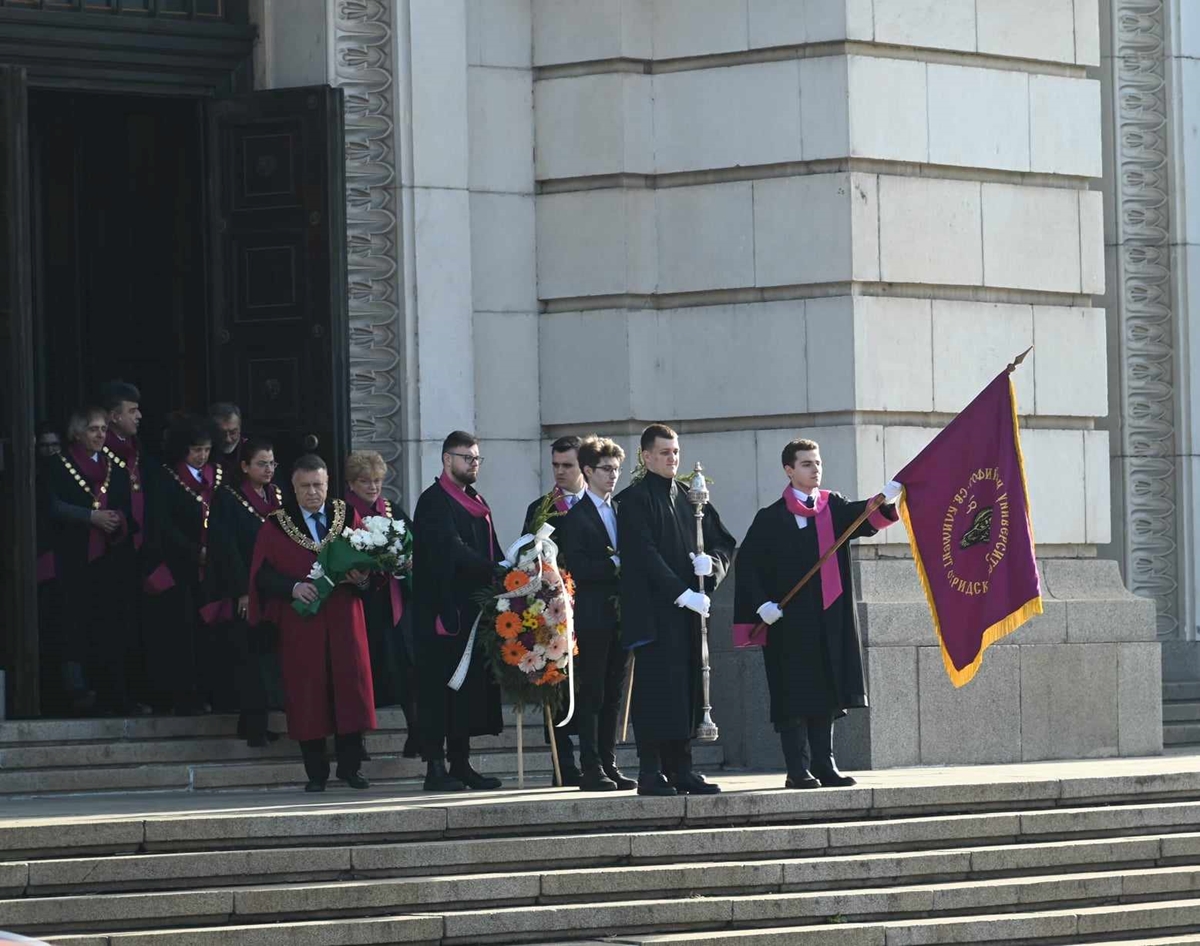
x: 1006, y: 625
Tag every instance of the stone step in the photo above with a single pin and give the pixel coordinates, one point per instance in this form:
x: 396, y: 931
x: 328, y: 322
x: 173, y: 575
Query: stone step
x: 822, y: 865
x: 1179, y: 734
x: 1181, y: 712
x: 1183, y: 690
x: 512, y: 907
x: 286, y: 771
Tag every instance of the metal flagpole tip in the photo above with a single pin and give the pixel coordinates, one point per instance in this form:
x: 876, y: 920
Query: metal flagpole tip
x: 1016, y: 362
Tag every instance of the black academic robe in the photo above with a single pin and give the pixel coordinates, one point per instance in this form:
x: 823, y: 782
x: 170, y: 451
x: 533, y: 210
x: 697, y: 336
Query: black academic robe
x: 657, y: 529
x: 95, y: 594
x: 813, y: 658
x: 455, y: 555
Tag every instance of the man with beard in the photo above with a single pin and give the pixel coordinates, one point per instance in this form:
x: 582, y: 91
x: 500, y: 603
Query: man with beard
x: 324, y: 659
x: 455, y: 555
x: 811, y: 652
x: 228, y: 438
x: 660, y: 613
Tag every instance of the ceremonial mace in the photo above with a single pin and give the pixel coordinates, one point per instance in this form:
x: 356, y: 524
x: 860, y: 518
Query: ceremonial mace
x: 697, y: 495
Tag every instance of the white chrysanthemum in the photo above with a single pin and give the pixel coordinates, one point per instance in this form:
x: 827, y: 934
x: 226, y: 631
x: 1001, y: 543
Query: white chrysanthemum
x: 501, y: 604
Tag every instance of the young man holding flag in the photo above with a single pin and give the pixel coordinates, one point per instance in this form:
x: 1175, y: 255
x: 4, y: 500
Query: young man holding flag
x: 810, y: 646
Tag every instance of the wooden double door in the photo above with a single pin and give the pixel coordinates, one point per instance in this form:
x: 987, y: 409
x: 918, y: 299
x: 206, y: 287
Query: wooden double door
x: 194, y: 246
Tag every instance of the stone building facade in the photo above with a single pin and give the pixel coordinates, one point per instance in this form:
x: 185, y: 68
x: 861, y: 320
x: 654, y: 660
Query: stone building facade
x: 757, y: 219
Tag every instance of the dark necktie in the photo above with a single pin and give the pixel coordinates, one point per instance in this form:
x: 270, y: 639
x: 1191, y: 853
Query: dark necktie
x: 322, y: 529
x: 810, y: 502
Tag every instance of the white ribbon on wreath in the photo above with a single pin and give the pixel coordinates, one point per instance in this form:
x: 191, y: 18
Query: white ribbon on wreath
x: 524, y: 551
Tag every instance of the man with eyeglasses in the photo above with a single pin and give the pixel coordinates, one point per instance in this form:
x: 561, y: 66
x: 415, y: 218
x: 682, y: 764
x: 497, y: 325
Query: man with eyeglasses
x: 589, y: 550
x: 455, y: 555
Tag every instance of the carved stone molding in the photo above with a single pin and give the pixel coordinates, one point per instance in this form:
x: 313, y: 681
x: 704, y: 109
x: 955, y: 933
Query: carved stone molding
x: 1146, y: 322
x: 363, y: 66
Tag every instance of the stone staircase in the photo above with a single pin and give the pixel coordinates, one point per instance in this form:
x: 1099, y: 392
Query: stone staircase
x: 202, y: 753
x: 1181, y: 714
x: 1105, y: 851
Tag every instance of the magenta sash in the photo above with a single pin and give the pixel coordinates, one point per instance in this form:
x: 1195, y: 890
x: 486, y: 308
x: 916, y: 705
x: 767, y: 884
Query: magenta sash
x: 831, y: 574
x: 95, y: 474
x: 477, y: 508
x: 263, y: 506
x: 127, y: 450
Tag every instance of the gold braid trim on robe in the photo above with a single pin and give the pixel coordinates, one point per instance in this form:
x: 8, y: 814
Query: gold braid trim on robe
x: 237, y: 493
x: 78, y: 477
x: 302, y: 538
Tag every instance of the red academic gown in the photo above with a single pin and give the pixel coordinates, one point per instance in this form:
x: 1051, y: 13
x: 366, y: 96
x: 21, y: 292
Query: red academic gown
x: 324, y: 659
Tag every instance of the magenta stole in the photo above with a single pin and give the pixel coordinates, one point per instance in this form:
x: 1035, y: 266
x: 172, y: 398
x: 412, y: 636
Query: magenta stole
x: 477, y: 508
x: 364, y: 509
x: 94, y: 473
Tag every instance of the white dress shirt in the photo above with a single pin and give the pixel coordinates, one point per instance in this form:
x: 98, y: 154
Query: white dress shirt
x: 802, y: 521
x: 607, y: 515
x: 197, y: 475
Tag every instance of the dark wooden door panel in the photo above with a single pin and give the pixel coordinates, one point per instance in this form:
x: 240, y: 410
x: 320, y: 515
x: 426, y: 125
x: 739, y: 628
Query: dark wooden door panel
x: 18, y: 551
x: 279, y: 266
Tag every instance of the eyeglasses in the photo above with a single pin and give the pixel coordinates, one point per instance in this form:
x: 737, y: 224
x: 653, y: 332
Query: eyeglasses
x: 265, y: 464
x: 608, y: 469
x: 468, y: 458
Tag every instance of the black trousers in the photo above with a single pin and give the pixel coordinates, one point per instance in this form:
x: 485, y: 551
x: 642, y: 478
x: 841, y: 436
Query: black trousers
x: 809, y: 747
x: 601, y: 670
x: 347, y: 748
x: 252, y: 650
x: 671, y: 758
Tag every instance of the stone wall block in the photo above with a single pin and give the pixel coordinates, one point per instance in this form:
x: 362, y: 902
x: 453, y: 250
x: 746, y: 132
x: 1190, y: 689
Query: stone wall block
x: 893, y: 357
x: 705, y: 237
x: 975, y: 724
x: 1054, y: 470
x: 717, y: 118
x: 1127, y: 619
x: 972, y: 342
x: 501, y: 129
x: 978, y: 117
x: 1050, y: 627
x: 1091, y: 242
x: 895, y: 623
x: 895, y: 718
x: 1139, y: 698
x: 777, y: 23
x: 588, y: 125
x: 508, y: 363
x: 930, y: 231
x: 601, y: 336
x: 888, y: 118
x: 788, y: 248
x: 699, y: 27
x: 1064, y: 121
x: 1071, y: 377
x: 1087, y: 32
x: 1031, y: 238
x: 824, y: 111
x: 887, y: 580
x: 1067, y: 705
x: 566, y: 31
x: 439, y: 93
x: 503, y: 268
x: 1027, y: 29
x: 933, y: 24
x: 1098, y: 487
x: 500, y: 33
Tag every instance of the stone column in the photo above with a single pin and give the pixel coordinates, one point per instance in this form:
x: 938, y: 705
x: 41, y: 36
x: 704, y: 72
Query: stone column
x: 839, y: 219
x: 439, y: 170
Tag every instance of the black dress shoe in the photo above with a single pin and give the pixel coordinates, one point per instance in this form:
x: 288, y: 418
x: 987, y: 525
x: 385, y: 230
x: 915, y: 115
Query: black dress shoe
x: 594, y: 780
x: 272, y: 736
x: 437, y: 779
x: 807, y: 780
x: 315, y: 785
x: 356, y: 780
x: 364, y: 755
x: 835, y: 779
x: 693, y: 783
x: 472, y: 779
x: 623, y: 782
x: 257, y: 742
x: 655, y: 785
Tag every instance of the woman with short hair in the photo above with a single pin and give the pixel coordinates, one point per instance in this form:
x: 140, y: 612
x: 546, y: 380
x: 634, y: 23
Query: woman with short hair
x: 385, y: 604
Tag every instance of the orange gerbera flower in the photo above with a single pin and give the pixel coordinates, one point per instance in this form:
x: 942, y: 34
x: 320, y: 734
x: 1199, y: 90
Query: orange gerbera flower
x: 552, y: 675
x: 512, y: 652
x: 508, y: 625
x: 515, y: 580
x: 568, y: 585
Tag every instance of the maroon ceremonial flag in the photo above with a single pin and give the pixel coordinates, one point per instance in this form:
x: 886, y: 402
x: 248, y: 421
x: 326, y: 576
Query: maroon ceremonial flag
x: 966, y: 506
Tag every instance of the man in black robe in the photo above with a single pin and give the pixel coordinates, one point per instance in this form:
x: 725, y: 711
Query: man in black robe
x: 228, y: 437
x: 589, y: 551
x: 455, y: 556
x: 812, y: 653
x: 660, y: 613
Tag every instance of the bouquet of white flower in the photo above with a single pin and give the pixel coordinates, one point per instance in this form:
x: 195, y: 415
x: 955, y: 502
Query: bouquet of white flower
x: 386, y: 541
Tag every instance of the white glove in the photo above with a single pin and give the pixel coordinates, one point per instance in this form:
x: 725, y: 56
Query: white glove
x: 616, y: 560
x: 891, y: 492
x: 770, y: 612
x: 694, y: 601
x: 702, y: 564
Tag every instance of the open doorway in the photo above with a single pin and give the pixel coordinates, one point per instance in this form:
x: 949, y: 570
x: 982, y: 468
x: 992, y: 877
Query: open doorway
x: 119, y: 268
